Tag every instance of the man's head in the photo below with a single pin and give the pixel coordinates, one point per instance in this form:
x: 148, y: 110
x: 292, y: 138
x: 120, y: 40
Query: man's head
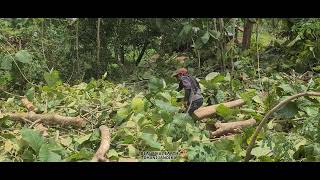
x: 180, y: 72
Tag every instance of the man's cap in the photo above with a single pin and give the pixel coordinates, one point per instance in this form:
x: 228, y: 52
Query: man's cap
x: 180, y: 71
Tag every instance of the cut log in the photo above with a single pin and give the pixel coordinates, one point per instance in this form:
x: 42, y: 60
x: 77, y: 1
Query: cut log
x: 49, y: 119
x: 231, y: 127
x: 205, y: 112
x: 27, y: 104
x: 104, y: 145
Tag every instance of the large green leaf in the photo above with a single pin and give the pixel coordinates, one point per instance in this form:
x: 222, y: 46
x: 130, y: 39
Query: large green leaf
x: 34, y: 139
x: 260, y: 151
x: 81, y: 155
x: 287, y: 88
x: 212, y: 75
x: 220, y: 96
x: 214, y: 34
x: 205, y: 38
x: 156, y: 84
x: 149, y: 140
x: 47, y: 155
x: 224, y: 111
x: 248, y: 95
x: 30, y: 93
x: 6, y: 63
x: 166, y: 106
x: 23, y: 56
x: 137, y: 104
x: 311, y: 111
x: 288, y: 111
x: 52, y: 78
x: 123, y: 113
x: 83, y: 138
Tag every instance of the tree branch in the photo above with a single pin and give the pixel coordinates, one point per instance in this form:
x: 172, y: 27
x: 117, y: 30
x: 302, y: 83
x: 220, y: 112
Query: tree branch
x: 104, y: 145
x: 265, y: 119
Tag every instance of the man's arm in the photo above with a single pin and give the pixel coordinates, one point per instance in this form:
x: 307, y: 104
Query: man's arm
x: 187, y: 95
x: 180, y: 86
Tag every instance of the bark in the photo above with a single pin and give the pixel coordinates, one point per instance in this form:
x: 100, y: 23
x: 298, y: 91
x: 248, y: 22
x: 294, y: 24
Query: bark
x: 205, y: 112
x: 104, y: 145
x: 144, y: 48
x: 246, y: 40
x: 49, y: 119
x: 231, y: 127
x: 98, y: 45
x: 27, y: 104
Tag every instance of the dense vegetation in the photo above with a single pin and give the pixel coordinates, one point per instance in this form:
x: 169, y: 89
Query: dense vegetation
x: 117, y: 72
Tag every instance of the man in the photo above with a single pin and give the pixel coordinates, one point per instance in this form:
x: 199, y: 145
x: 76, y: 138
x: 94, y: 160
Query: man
x: 193, y: 98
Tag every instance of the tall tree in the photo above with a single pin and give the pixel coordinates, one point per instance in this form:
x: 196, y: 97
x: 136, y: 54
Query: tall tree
x: 246, y: 40
x: 98, y: 45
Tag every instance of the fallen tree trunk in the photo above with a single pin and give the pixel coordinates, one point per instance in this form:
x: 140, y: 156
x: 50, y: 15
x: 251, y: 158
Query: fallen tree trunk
x: 204, y: 112
x: 47, y: 118
x: 104, y: 145
x: 231, y: 127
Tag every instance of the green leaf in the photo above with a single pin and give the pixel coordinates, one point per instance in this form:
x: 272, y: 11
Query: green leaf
x: 214, y: 34
x: 257, y: 99
x: 122, y: 113
x: 220, y: 96
x: 30, y: 93
x: 81, y: 155
x: 224, y: 111
x: 259, y: 151
x: 27, y: 155
x: 112, y: 153
x: 23, y: 56
x: 132, y: 150
x: 212, y: 75
x: 181, y: 119
x: 205, y: 38
x: 287, y: 88
x: 137, y: 104
x: 156, y: 85
x: 248, y: 95
x: 66, y: 141
x: 166, y: 106
x: 288, y: 111
x: 311, y: 111
x: 82, y: 139
x: 52, y: 78
x: 6, y: 63
x: 34, y: 139
x: 46, y: 155
x: 95, y: 136
x: 149, y: 140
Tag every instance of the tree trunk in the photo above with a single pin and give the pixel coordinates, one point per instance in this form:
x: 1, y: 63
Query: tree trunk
x: 98, y: 46
x: 144, y: 48
x: 247, y: 34
x: 221, y: 29
x: 120, y: 54
x: 77, y: 47
x: 204, y: 112
x: 231, y: 127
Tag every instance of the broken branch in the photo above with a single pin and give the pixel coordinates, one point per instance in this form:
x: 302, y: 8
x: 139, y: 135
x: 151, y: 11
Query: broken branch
x: 231, y: 127
x: 104, y: 145
x: 27, y: 103
x: 265, y: 119
x: 205, y: 112
x: 47, y: 118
